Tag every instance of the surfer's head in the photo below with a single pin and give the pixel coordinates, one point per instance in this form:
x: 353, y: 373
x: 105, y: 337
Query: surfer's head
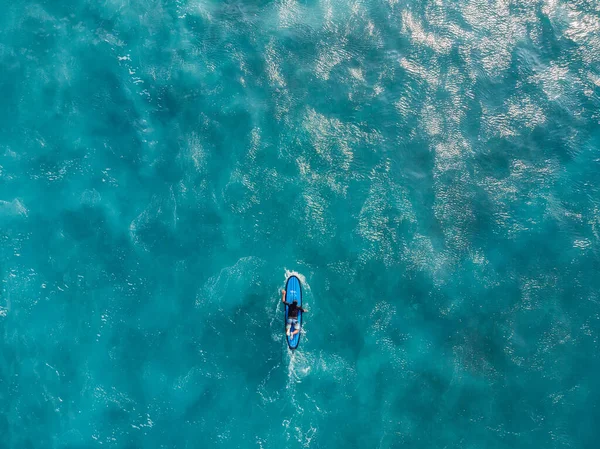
x: 295, y: 302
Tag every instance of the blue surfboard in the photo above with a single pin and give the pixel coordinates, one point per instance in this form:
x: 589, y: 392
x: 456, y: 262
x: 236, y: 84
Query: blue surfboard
x: 293, y: 292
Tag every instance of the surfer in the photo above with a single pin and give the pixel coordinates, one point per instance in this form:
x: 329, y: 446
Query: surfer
x: 292, y: 316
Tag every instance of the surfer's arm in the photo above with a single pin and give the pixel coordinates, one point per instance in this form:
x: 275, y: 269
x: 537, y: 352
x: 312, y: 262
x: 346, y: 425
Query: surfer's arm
x: 283, y: 297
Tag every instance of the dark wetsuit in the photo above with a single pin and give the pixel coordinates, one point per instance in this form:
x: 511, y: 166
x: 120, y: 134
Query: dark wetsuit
x: 293, y: 310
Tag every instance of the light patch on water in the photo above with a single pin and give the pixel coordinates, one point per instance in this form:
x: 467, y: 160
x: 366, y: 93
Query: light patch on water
x: 229, y: 282
x: 594, y: 222
x: 144, y: 422
x: 273, y: 63
x: 556, y: 335
x: 161, y: 208
x: 250, y: 192
x: 560, y: 211
x: 112, y: 396
x: 593, y: 82
x: 519, y: 111
x: 14, y: 208
x: 420, y: 255
x: 90, y: 197
x: 373, y: 31
x: 283, y: 101
x: 582, y: 243
x: 470, y: 357
x: 451, y: 155
x: 526, y: 187
x: 418, y: 35
x: 584, y: 28
x: 404, y: 106
x: 193, y: 150
x: 328, y: 15
x: 136, y: 225
x: 199, y: 8
x: 551, y: 8
x: 552, y: 80
x: 381, y: 317
x: 317, y: 220
x: 255, y: 144
x: 532, y: 291
x: 431, y: 119
x: 496, y: 124
x: 335, y: 366
x: 325, y: 171
x: 372, y: 224
x: 333, y: 141
x: 527, y: 112
x: 328, y: 135
x: 329, y: 57
x: 461, y: 90
x: 343, y: 267
x: 386, y: 209
x: 250, y: 183
x: 453, y: 197
x: 593, y: 78
x: 430, y: 74
x: 289, y: 13
x: 496, y: 33
x: 356, y: 73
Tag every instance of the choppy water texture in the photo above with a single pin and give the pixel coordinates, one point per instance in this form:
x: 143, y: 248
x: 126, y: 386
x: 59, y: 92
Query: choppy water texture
x: 429, y: 167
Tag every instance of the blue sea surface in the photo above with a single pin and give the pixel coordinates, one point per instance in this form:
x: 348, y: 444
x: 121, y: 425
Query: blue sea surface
x: 430, y: 170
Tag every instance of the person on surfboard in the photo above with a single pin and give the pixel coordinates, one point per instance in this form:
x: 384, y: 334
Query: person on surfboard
x: 292, y: 316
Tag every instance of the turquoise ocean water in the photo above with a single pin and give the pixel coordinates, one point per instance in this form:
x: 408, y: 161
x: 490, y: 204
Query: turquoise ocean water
x: 429, y: 169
